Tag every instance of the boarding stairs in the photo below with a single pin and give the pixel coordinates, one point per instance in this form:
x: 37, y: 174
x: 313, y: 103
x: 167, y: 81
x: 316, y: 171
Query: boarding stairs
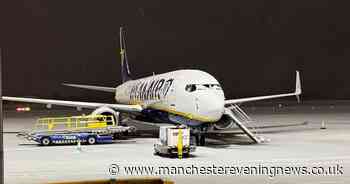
x: 241, y: 119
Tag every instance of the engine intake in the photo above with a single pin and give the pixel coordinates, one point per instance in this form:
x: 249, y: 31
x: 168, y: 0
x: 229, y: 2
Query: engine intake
x: 107, y: 111
x: 224, y: 123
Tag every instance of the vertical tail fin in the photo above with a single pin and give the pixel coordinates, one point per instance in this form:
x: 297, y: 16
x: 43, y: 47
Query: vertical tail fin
x: 125, y: 71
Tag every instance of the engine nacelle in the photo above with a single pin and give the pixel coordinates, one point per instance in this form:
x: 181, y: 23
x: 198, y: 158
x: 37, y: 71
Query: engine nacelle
x: 106, y: 111
x: 224, y: 123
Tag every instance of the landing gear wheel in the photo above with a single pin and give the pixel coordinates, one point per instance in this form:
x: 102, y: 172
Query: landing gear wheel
x: 202, y: 140
x: 126, y: 133
x: 197, y: 139
x: 45, y: 141
x: 117, y: 136
x: 91, y: 140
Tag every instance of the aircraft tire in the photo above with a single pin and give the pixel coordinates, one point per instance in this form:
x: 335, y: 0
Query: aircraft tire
x: 202, y: 140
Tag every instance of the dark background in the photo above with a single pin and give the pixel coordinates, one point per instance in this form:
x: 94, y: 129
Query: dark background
x: 252, y: 47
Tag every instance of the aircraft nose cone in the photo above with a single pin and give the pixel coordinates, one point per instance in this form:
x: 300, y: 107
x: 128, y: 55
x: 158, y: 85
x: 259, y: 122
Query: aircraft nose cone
x: 213, y: 107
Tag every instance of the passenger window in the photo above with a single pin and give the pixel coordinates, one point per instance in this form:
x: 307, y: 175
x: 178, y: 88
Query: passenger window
x: 190, y: 88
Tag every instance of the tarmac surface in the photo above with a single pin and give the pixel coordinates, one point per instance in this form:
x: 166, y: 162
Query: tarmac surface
x: 299, y: 145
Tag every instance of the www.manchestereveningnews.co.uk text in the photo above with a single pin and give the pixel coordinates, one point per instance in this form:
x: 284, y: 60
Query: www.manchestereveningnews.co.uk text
x: 216, y: 170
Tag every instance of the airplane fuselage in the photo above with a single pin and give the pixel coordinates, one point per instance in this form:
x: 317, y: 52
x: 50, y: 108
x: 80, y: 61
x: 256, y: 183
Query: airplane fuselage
x: 191, y: 97
x: 191, y: 94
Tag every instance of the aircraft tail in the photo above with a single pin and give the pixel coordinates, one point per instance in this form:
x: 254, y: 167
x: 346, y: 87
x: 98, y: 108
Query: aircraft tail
x: 125, y: 71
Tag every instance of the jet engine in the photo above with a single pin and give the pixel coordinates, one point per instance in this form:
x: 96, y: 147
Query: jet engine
x: 224, y: 123
x: 106, y: 111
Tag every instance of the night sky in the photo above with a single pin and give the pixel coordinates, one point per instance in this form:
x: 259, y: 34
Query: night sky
x: 251, y: 47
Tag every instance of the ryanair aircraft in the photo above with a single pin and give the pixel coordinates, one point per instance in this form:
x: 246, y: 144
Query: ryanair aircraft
x: 184, y: 97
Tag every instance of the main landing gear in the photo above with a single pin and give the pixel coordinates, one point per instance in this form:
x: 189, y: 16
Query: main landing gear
x: 200, y: 140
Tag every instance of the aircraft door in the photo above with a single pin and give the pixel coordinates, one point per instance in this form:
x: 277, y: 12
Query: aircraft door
x: 171, y: 98
x: 191, y: 100
x: 196, y: 101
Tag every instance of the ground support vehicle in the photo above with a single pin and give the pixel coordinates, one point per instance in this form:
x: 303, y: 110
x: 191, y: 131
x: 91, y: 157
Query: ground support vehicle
x: 174, y: 140
x: 89, y: 129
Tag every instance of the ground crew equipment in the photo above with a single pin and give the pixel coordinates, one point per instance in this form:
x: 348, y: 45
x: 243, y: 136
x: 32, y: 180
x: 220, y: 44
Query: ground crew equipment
x: 174, y: 140
x: 89, y: 129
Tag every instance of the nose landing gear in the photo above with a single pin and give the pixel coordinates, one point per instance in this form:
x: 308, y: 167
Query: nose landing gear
x: 200, y: 139
x: 199, y: 136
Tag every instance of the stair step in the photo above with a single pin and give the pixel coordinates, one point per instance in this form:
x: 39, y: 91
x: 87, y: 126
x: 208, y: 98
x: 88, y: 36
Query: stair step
x: 237, y: 115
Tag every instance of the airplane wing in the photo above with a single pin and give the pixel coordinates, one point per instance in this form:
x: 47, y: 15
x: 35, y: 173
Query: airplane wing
x: 296, y: 93
x: 96, y: 88
x: 89, y: 105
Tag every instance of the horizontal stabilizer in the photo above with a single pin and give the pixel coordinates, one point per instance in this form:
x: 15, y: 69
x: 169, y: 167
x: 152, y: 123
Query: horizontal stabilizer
x: 95, y: 88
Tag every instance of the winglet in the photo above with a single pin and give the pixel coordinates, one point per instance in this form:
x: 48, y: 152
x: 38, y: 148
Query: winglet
x: 297, y: 86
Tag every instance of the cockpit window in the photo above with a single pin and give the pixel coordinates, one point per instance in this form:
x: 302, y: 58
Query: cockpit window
x: 191, y: 87
x: 211, y: 86
x: 194, y: 87
x: 217, y: 86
